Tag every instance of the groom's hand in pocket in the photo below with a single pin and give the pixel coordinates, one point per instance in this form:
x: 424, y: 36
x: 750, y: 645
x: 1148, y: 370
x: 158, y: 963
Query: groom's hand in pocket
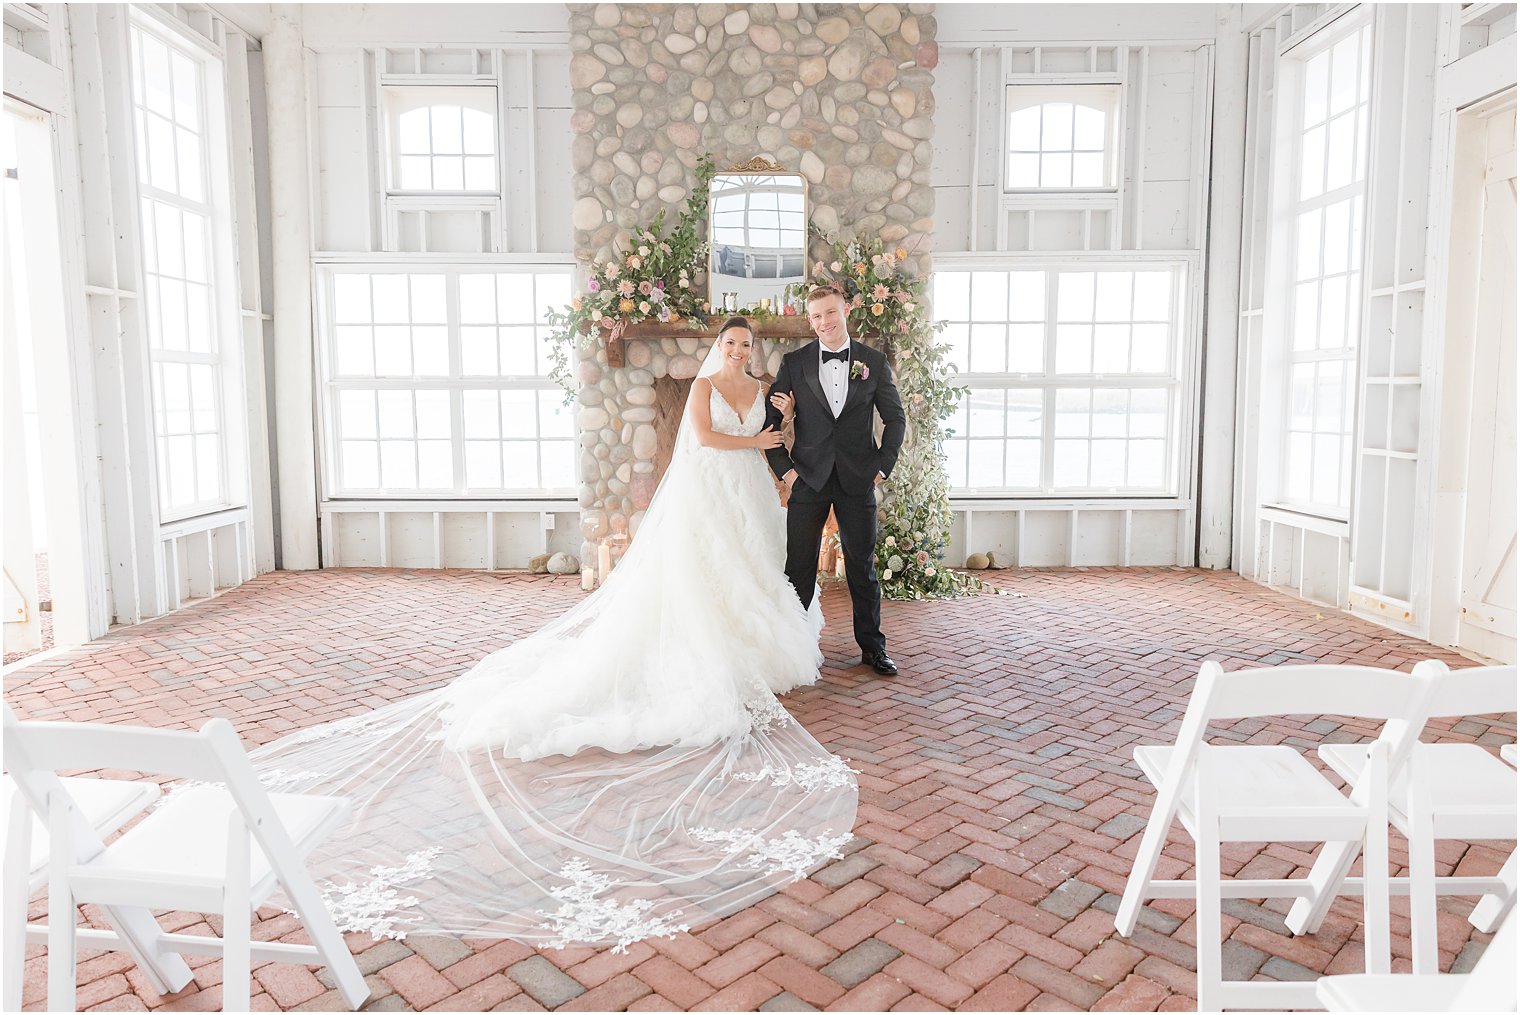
x: 790, y: 479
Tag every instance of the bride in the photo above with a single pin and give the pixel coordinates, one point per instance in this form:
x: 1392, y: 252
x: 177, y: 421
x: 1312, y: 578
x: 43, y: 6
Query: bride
x: 624, y: 772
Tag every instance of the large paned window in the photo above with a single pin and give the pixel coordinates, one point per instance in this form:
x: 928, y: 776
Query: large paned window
x: 179, y: 116
x: 1075, y: 377
x: 436, y: 383
x: 1324, y: 228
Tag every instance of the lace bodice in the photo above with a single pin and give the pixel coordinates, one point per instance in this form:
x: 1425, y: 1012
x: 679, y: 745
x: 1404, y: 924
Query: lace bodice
x: 726, y: 420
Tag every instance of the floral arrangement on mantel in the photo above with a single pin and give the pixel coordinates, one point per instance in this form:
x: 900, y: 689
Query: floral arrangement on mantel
x: 914, y: 520
x: 662, y: 276
x: 656, y: 276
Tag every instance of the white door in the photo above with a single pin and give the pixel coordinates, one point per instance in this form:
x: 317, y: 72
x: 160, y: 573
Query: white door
x: 1488, y: 556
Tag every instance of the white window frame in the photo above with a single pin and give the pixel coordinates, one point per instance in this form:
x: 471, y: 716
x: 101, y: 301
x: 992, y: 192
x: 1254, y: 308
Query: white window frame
x: 1182, y: 381
x: 1280, y: 305
x: 390, y: 139
x: 224, y: 295
x: 1113, y: 151
x: 456, y: 382
x: 395, y: 207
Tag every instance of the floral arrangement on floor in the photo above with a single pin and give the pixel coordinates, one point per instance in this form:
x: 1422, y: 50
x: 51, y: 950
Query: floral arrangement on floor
x: 656, y: 275
x: 914, y: 520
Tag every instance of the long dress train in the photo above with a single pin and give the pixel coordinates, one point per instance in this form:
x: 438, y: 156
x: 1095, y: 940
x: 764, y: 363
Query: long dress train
x: 624, y: 772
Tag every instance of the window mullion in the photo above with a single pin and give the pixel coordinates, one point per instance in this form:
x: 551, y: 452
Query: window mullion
x: 1048, y: 414
x: 456, y: 392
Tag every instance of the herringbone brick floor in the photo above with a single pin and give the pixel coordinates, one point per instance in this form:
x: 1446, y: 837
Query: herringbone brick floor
x: 999, y: 810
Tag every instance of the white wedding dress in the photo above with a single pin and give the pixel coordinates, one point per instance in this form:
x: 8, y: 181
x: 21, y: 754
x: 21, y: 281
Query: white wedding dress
x: 624, y: 772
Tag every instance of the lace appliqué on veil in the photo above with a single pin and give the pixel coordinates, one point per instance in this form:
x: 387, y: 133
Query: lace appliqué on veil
x: 374, y: 906
x: 766, y: 713
x: 790, y: 853
x: 583, y: 918
x: 276, y: 780
x: 833, y: 773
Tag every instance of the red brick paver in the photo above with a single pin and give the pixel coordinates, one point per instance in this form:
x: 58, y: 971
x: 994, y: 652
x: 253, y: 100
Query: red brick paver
x: 999, y: 808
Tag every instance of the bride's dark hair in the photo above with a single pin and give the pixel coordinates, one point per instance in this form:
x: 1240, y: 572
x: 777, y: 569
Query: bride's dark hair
x: 736, y: 322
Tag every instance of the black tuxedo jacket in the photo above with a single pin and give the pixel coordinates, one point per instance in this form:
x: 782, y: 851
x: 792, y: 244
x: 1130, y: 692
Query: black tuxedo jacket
x: 848, y: 444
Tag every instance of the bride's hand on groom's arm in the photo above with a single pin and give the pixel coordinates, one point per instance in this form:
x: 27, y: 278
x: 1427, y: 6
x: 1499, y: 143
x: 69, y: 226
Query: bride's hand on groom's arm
x: 768, y: 438
x: 785, y: 403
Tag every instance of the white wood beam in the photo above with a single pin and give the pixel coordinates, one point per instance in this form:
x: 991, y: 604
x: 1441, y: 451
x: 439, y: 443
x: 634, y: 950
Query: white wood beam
x: 290, y: 239
x: 251, y: 301
x: 1226, y: 179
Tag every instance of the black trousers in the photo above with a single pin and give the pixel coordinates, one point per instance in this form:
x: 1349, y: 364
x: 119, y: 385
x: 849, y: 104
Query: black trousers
x: 806, y: 514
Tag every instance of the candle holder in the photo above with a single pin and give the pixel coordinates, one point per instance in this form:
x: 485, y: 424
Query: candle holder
x: 618, y: 542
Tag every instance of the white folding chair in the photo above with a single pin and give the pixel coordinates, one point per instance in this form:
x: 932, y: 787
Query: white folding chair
x: 1489, y: 987
x: 1250, y: 793
x: 1467, y: 794
x: 222, y: 847
x: 105, y: 804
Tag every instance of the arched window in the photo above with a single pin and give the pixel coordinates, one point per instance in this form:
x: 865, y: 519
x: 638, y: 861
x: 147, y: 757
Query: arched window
x: 1062, y: 137
x: 442, y: 138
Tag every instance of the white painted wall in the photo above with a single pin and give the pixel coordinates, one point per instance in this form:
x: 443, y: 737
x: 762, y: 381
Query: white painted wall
x: 1029, y: 24
x: 1164, y: 57
x: 522, y: 49
x: 1396, y: 560
x: 71, y: 61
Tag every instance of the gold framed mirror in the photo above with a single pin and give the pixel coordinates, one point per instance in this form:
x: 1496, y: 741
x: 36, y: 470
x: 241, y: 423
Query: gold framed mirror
x: 757, y: 226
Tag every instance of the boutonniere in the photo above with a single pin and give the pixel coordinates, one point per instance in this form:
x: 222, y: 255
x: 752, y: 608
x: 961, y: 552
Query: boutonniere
x: 859, y: 371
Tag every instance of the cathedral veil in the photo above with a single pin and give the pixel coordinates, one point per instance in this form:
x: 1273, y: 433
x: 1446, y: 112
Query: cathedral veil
x: 591, y: 784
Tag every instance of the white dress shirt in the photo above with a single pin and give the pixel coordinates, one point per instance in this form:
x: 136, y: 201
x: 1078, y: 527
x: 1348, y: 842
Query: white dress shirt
x: 835, y: 377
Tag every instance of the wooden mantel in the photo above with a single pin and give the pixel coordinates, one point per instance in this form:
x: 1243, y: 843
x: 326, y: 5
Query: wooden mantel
x: 776, y: 329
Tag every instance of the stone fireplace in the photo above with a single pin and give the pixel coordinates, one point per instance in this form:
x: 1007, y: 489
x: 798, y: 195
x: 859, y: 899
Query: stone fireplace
x: 843, y: 94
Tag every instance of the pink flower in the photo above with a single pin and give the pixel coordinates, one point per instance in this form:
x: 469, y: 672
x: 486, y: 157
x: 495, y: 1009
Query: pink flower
x: 817, y: 267
x: 611, y: 271
x: 645, y: 287
x: 880, y: 292
x: 594, y: 285
x: 859, y: 371
x: 625, y: 288
x: 922, y: 556
x: 659, y: 283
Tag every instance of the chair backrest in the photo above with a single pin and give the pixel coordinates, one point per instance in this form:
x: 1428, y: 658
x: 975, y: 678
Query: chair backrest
x: 1475, y: 690
x: 1360, y: 691
x: 1491, y: 984
x: 35, y: 751
x: 52, y: 746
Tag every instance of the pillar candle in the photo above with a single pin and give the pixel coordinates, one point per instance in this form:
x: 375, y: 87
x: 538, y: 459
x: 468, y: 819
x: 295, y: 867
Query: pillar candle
x: 588, y: 578
x: 604, y: 560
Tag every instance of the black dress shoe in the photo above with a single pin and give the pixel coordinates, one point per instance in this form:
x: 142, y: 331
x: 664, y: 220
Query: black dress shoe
x: 881, y: 663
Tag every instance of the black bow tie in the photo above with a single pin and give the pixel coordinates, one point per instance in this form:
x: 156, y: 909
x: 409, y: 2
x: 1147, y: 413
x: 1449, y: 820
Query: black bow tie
x: 843, y: 354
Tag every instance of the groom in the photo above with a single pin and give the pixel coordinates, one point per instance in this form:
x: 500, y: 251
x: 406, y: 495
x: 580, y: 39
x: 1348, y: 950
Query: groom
x: 835, y: 462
